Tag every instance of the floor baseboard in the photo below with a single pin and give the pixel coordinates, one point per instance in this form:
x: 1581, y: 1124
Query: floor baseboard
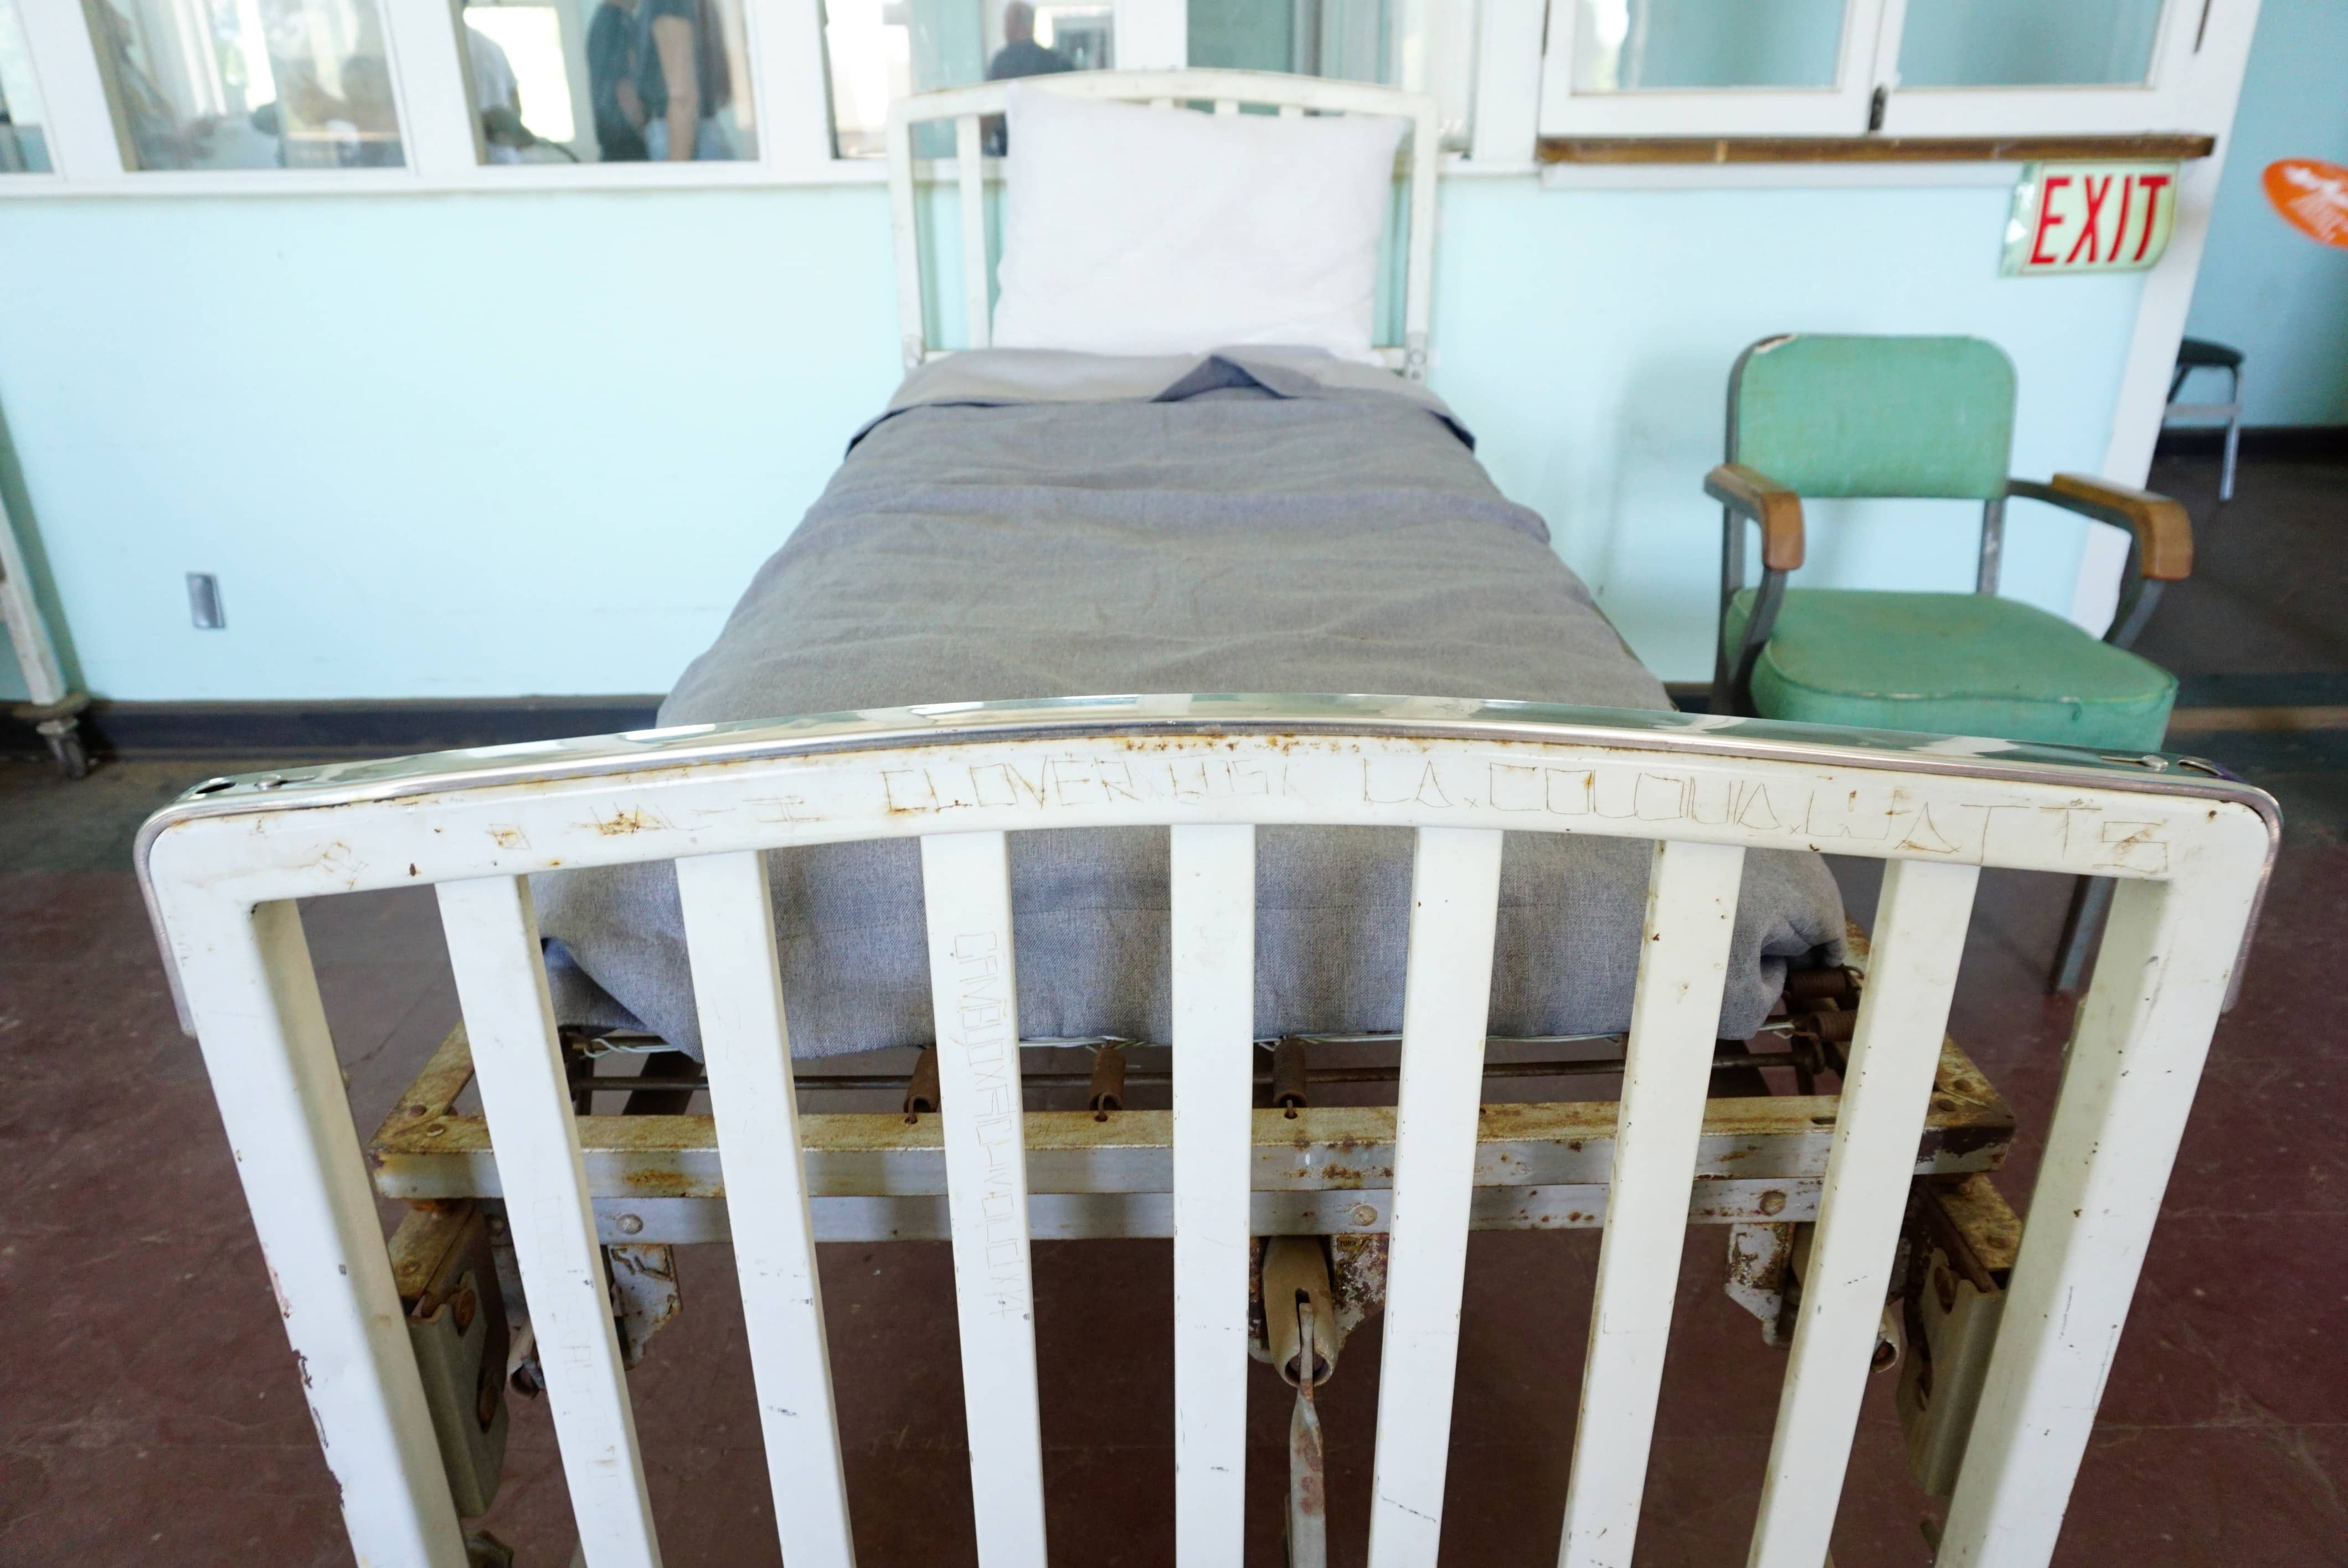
x: 2302, y: 443
x: 383, y: 728
x: 393, y: 728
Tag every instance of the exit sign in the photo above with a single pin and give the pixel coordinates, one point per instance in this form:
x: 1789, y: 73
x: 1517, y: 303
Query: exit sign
x: 2089, y: 218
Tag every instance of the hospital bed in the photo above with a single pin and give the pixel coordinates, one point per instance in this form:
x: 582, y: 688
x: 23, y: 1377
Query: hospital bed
x: 688, y: 1060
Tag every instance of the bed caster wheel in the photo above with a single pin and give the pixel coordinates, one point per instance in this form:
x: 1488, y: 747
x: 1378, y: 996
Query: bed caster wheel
x: 483, y: 1550
x: 58, y: 725
x: 73, y: 760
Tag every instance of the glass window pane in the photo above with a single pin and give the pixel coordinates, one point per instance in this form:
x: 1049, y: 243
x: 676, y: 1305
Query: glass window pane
x: 1348, y: 40
x: 883, y: 50
x: 1425, y: 45
x: 23, y: 149
x: 1635, y: 45
x: 2027, y: 43
x: 247, y: 84
x: 610, y: 81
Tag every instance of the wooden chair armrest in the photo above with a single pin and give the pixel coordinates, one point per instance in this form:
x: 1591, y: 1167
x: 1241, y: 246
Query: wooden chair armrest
x: 2163, y: 533
x: 1750, y: 493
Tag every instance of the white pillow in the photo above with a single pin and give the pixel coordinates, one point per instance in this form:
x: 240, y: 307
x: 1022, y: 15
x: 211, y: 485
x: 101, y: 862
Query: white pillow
x: 1135, y: 231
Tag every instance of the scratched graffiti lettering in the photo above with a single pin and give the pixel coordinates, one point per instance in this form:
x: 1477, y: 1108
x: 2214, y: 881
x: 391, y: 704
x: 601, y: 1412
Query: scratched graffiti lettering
x: 1075, y: 781
x: 1865, y: 817
x: 985, y: 1034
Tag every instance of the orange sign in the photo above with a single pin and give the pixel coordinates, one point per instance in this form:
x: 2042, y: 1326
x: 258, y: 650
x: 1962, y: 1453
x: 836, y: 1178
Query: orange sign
x: 2089, y: 218
x: 2312, y: 196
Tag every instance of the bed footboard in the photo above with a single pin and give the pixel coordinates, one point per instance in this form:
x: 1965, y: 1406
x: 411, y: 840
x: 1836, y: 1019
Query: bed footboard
x: 225, y: 867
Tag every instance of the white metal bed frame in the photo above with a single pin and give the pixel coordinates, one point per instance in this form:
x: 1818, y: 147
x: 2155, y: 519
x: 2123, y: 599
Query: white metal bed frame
x: 1228, y: 92
x: 224, y: 869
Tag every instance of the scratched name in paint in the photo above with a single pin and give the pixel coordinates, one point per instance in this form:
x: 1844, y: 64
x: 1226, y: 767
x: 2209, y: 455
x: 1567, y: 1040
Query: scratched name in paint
x: 985, y: 1035
x: 1887, y: 815
x: 1782, y: 808
x: 1078, y: 780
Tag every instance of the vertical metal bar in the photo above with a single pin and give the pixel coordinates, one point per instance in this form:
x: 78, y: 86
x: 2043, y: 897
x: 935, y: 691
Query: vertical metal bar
x: 1674, y: 1021
x: 1418, y: 286
x: 492, y: 932
x: 2090, y: 897
x: 1993, y: 545
x: 729, y: 929
x: 972, y: 167
x: 1920, y: 939
x: 905, y: 230
x: 1213, y: 891
x: 254, y: 1001
x: 2233, y: 431
x: 1446, y: 997
x: 2135, y: 1057
x: 1308, y: 1458
x: 28, y: 630
x: 974, y: 988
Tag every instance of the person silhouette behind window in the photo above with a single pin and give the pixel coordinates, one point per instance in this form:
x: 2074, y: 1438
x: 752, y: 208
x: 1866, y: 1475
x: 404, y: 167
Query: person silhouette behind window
x: 1021, y: 55
x: 685, y: 81
x: 615, y: 59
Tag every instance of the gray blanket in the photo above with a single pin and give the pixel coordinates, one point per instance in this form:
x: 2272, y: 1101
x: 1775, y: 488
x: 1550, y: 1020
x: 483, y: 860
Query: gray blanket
x: 1260, y: 524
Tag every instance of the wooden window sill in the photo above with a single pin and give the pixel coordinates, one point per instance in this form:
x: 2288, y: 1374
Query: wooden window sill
x: 1725, y: 149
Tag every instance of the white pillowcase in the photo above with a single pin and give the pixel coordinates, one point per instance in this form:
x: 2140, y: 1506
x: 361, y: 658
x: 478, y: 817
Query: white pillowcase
x: 1135, y: 230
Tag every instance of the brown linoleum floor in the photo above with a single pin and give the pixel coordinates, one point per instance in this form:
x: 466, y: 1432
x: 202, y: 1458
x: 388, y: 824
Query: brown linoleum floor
x: 150, y: 1412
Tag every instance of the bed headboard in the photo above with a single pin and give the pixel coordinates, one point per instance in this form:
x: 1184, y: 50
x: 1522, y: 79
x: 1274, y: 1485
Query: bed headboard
x: 1228, y: 91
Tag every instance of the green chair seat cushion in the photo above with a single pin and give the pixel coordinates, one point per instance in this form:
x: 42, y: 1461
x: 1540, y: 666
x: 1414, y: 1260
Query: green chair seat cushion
x: 1952, y: 664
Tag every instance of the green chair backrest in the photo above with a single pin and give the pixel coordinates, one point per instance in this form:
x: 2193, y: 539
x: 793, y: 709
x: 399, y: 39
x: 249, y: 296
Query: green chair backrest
x: 1828, y: 415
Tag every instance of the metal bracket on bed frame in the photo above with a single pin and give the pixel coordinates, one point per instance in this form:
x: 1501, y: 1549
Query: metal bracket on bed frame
x: 1323, y: 1170
x: 1319, y: 1170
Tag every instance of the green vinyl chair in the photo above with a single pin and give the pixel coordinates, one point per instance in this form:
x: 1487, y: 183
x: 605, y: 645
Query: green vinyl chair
x: 1817, y: 416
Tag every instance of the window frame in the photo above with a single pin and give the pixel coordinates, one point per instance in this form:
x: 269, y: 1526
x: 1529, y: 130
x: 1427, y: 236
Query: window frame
x: 785, y: 73
x: 1707, y: 111
x: 425, y: 57
x: 1873, y: 32
x: 2156, y: 104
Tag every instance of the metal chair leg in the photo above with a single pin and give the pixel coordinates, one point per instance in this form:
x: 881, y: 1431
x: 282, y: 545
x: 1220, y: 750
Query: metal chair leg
x: 2233, y: 440
x: 2091, y: 898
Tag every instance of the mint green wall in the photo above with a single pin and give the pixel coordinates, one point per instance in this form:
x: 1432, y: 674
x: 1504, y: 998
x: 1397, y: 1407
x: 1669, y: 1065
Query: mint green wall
x: 432, y: 446
x: 2266, y: 288
x: 1588, y: 335
x: 493, y: 445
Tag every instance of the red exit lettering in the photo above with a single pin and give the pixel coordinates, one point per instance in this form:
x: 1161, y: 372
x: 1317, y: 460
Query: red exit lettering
x: 2093, y: 226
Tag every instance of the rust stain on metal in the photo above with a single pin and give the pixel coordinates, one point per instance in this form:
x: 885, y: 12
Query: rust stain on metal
x: 627, y: 820
x: 424, y: 1150
x: 430, y: 1095
x: 1986, y: 1220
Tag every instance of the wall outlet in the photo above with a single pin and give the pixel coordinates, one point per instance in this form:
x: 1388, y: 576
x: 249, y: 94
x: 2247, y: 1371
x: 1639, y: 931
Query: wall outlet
x: 204, y: 602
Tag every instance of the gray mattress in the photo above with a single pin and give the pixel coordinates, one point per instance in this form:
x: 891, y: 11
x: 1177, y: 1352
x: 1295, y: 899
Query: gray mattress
x: 1029, y: 526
